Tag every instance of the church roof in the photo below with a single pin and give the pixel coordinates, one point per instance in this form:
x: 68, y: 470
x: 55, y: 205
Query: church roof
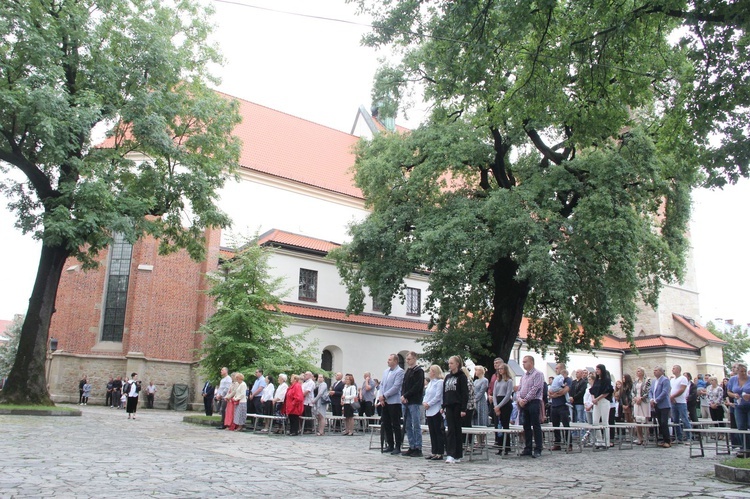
x: 293, y: 148
x: 697, y: 329
x: 363, y: 319
x: 663, y: 341
x: 289, y: 147
x: 290, y: 240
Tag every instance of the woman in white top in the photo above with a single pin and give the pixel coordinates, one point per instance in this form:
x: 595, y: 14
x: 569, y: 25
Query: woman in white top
x: 266, y: 397
x: 641, y: 405
x: 348, y: 397
x: 432, y: 402
x: 240, y: 403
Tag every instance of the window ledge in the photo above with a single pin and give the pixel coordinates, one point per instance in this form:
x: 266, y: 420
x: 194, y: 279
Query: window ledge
x: 108, y: 346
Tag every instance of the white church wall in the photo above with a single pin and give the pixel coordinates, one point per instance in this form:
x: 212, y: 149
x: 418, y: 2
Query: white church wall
x: 260, y: 204
x: 356, y: 349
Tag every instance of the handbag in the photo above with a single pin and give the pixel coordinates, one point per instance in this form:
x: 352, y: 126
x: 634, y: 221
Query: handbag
x: 355, y: 405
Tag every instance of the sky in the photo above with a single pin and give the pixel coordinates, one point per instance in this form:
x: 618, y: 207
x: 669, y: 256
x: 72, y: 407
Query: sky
x: 290, y: 56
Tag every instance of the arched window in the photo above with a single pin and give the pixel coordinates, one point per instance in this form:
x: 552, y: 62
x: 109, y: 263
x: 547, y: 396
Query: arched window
x: 326, y: 361
x: 401, y: 361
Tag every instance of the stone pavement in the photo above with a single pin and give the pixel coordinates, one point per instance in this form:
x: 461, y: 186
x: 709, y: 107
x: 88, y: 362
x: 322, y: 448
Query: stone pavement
x: 103, y: 454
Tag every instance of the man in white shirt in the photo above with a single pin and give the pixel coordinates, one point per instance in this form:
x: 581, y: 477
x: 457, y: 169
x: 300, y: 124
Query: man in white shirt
x: 678, y: 400
x: 221, y: 393
x: 308, y: 388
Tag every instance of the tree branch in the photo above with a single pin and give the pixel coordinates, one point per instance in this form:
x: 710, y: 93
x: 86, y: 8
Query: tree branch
x: 38, y: 179
x: 546, y: 151
x: 499, y: 169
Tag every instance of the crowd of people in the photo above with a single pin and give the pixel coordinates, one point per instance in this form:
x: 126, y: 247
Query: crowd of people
x: 120, y: 393
x: 447, y: 401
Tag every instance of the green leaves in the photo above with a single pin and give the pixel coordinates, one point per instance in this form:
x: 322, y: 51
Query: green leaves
x: 70, y: 71
x: 737, y: 346
x: 247, y: 331
x: 9, y: 349
x: 552, y: 178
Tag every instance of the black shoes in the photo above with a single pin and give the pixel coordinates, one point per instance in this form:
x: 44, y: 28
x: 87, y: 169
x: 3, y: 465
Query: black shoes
x: 407, y: 452
x: 387, y: 450
x: 416, y: 453
x: 526, y: 453
x: 536, y: 454
x: 396, y: 452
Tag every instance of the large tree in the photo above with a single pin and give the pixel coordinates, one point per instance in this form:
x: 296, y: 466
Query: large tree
x: 552, y: 177
x: 247, y: 331
x: 139, y: 70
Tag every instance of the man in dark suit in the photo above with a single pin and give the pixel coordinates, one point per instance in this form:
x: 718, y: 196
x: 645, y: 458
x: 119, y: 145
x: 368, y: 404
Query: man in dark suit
x: 208, y: 398
x: 337, y: 389
x: 659, y: 395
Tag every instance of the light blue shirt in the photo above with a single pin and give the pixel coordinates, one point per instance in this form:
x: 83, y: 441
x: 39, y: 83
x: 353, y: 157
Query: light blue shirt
x: 390, y: 386
x: 259, y: 383
x: 224, y: 385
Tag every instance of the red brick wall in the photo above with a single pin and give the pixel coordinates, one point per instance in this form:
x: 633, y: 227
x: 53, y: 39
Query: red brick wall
x: 165, y: 305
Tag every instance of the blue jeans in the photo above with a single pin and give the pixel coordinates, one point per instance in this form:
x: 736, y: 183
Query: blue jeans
x: 579, y: 416
x: 412, y: 425
x: 742, y: 416
x: 680, y: 417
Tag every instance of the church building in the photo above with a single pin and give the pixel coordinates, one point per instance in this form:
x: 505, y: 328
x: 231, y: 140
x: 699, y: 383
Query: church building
x: 142, y: 312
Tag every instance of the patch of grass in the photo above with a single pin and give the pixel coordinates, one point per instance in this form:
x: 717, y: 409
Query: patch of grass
x: 37, y: 407
x: 738, y: 462
x: 206, y: 418
x: 202, y: 419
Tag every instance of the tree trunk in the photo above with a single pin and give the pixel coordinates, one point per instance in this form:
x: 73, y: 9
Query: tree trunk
x: 508, y: 302
x: 27, y: 381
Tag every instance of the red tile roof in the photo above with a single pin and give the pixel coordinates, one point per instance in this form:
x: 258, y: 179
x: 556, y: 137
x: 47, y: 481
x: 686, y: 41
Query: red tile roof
x: 696, y: 328
x: 289, y: 239
x: 289, y: 147
x: 610, y: 342
x: 364, y: 319
x: 614, y: 343
x: 663, y: 341
x: 293, y: 148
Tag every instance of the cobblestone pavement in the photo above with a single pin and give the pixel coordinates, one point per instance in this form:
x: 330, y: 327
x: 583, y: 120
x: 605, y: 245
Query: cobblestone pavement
x: 103, y: 454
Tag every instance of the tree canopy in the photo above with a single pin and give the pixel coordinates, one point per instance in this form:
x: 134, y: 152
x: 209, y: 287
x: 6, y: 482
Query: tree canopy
x: 738, y: 344
x: 552, y: 178
x: 247, y: 330
x: 139, y: 71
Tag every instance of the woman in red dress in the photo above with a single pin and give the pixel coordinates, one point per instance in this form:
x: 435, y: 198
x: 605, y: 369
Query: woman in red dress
x: 293, y: 404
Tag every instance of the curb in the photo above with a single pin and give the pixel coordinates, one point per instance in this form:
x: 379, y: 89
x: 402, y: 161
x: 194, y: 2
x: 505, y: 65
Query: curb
x: 732, y: 474
x: 39, y: 412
